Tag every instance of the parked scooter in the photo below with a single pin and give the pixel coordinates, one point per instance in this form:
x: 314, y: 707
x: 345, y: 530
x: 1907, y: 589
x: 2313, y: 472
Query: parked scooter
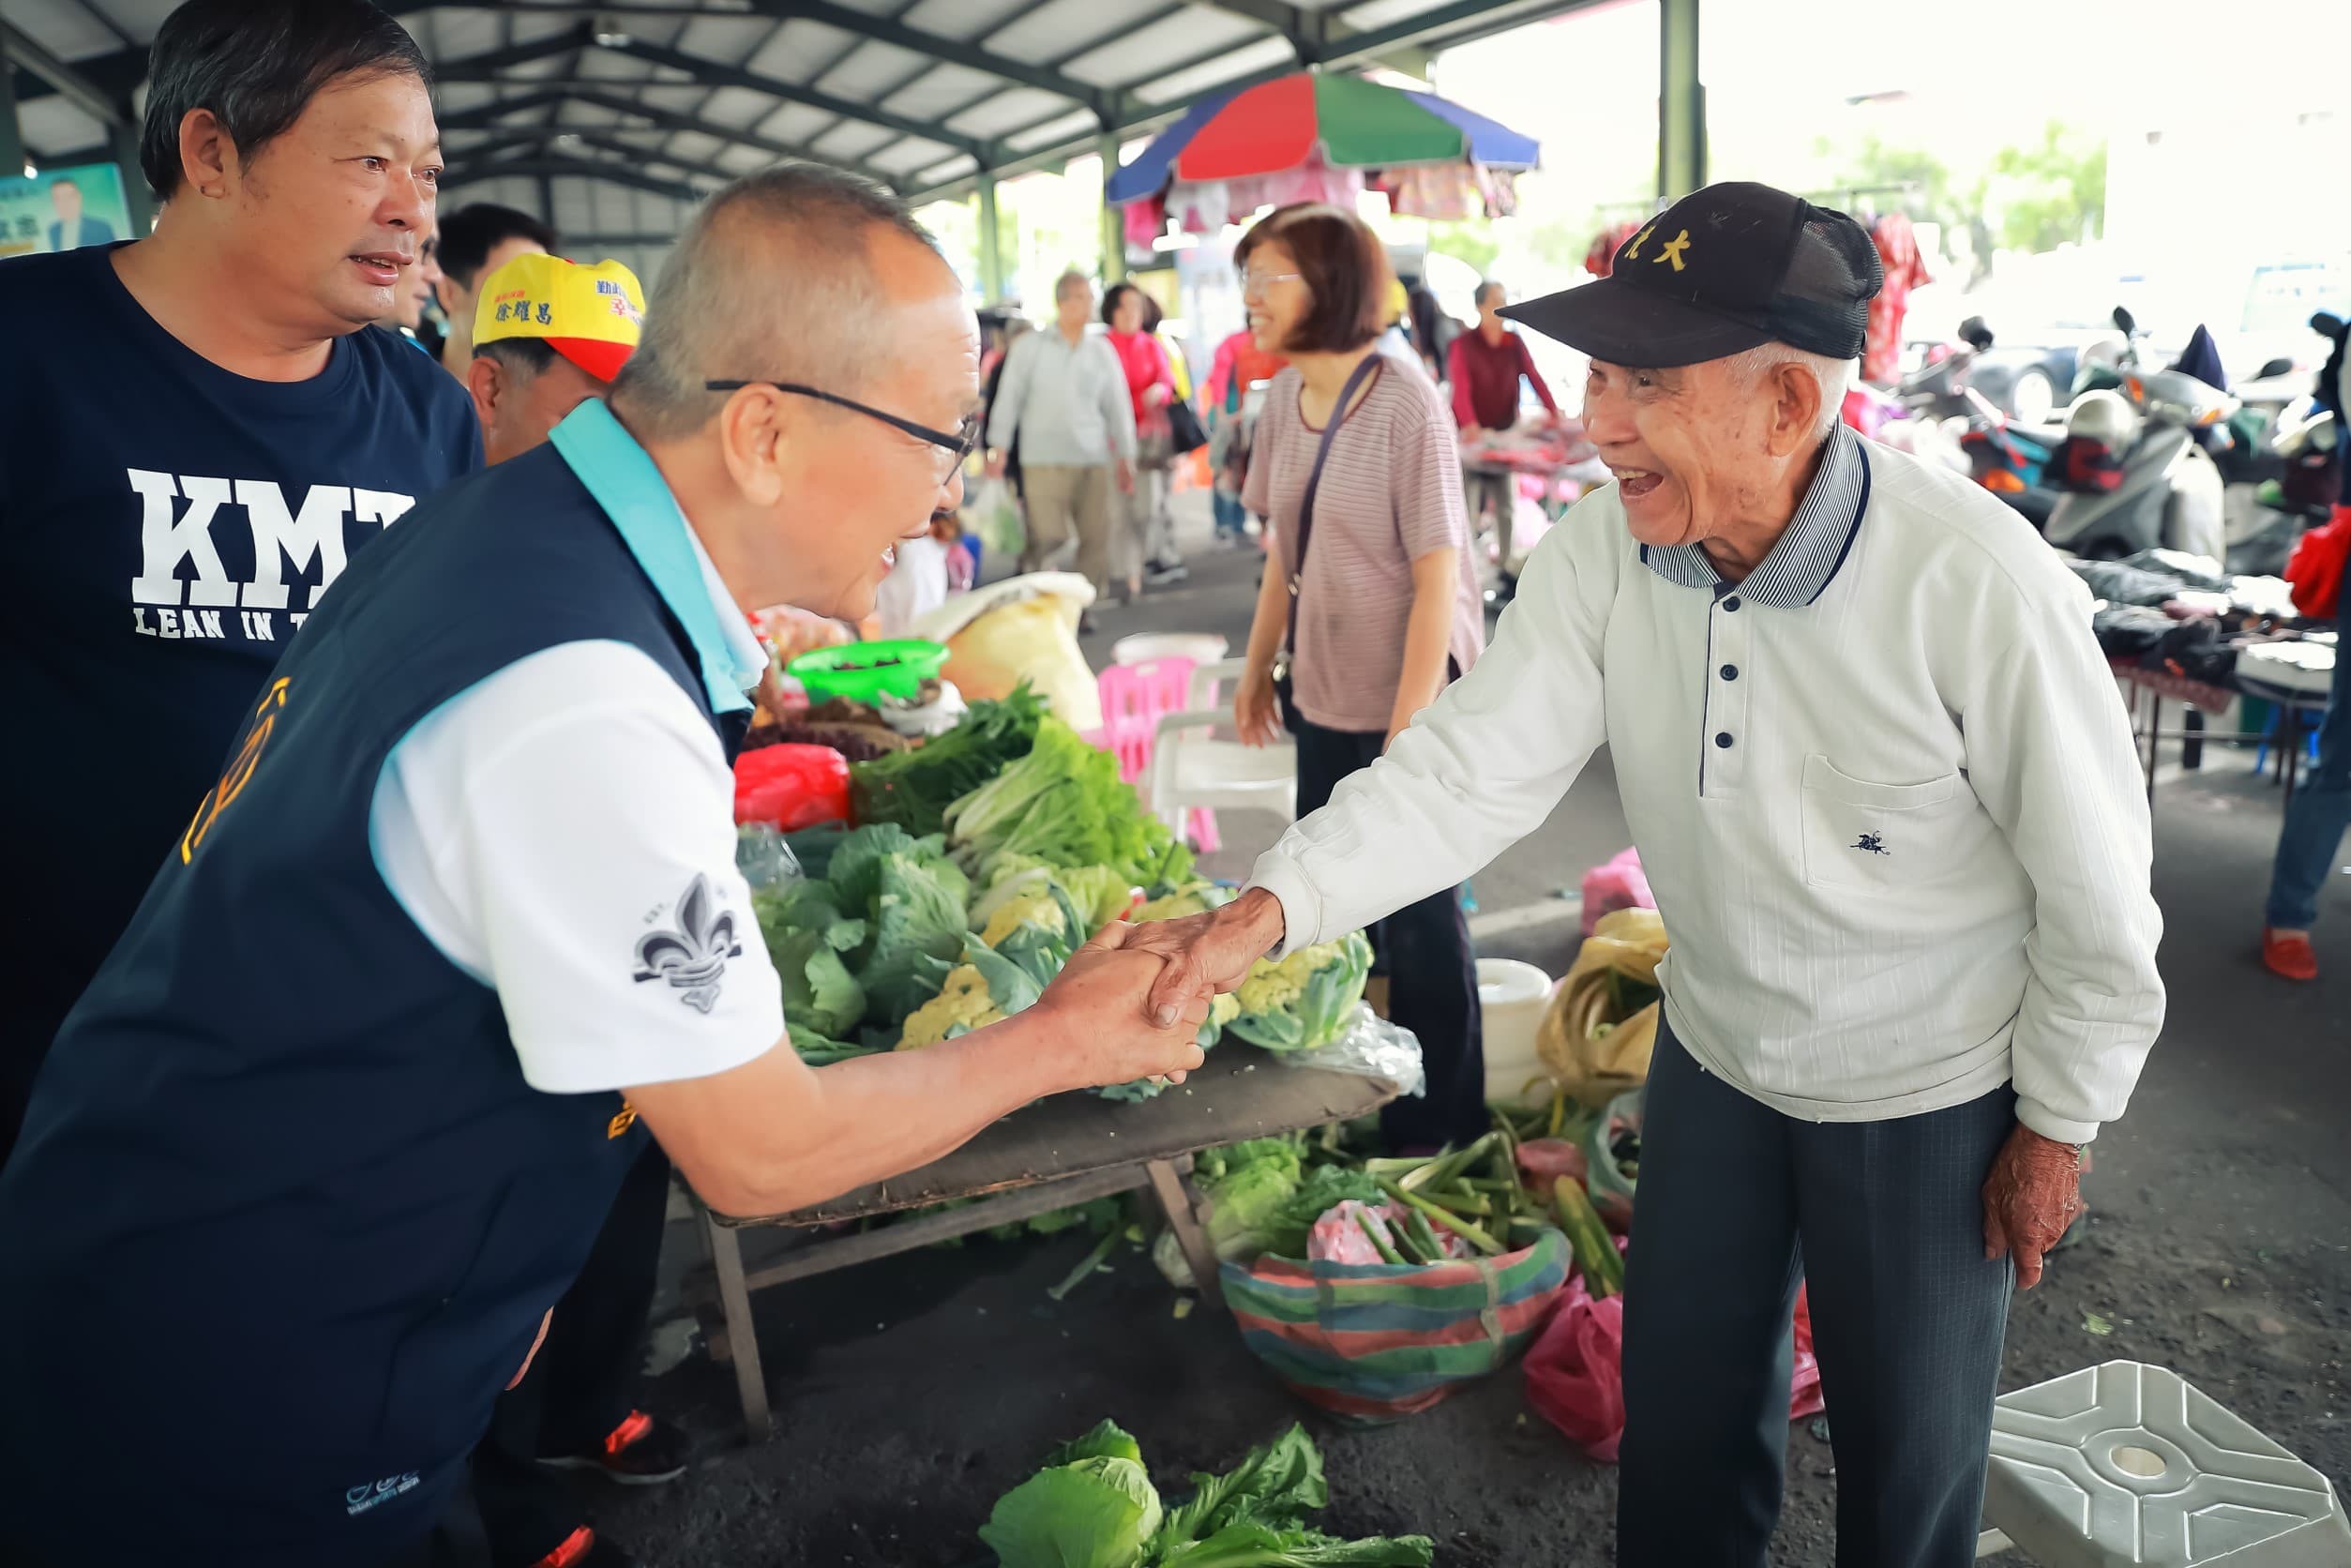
x: 2133, y: 474
x: 2267, y: 521
x: 1938, y: 389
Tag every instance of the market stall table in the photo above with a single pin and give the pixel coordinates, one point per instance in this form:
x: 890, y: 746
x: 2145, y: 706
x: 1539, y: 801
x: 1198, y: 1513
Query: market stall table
x: 2149, y: 689
x: 1064, y: 1150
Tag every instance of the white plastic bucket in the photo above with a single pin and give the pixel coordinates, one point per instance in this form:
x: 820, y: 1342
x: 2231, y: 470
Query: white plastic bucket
x: 1513, y: 997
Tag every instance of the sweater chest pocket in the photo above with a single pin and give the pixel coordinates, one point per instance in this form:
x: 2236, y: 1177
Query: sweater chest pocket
x: 1889, y: 839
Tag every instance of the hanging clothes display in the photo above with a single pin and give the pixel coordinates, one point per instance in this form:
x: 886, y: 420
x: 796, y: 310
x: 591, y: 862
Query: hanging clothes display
x: 1500, y: 186
x: 1442, y: 192
x: 1205, y: 206
x: 1145, y: 220
x: 1601, y: 260
x: 1906, y: 269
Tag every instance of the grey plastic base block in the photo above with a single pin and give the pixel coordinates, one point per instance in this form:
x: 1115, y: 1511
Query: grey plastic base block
x: 2130, y: 1466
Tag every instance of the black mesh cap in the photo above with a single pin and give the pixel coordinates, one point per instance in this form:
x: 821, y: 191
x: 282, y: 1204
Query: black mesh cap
x: 1725, y: 269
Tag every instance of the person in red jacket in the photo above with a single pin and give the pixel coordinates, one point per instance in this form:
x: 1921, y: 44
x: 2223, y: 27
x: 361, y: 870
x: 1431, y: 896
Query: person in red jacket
x: 1239, y: 365
x: 1484, y: 367
x: 1151, y: 383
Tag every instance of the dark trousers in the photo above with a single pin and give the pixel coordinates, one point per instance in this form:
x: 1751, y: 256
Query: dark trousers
x: 1432, y: 978
x: 581, y: 1383
x: 1884, y: 1220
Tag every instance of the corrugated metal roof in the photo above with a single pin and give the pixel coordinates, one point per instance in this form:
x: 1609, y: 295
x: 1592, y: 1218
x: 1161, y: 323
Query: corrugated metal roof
x: 680, y: 93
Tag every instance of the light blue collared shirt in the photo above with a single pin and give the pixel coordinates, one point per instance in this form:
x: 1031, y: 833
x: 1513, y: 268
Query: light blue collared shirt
x: 624, y: 482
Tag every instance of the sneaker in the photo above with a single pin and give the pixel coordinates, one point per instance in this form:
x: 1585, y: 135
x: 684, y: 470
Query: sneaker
x: 2289, y: 957
x: 1164, y: 574
x: 640, y: 1452
x: 584, y: 1548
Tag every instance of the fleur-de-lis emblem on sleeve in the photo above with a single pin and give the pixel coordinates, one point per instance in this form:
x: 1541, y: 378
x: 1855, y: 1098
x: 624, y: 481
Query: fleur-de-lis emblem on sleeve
x: 692, y: 957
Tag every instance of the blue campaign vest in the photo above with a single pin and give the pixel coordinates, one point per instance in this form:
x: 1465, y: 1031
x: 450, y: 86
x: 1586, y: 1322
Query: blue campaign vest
x: 285, y: 1214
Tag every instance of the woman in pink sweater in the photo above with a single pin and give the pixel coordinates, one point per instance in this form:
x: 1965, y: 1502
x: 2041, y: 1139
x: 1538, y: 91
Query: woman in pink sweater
x: 1151, y: 382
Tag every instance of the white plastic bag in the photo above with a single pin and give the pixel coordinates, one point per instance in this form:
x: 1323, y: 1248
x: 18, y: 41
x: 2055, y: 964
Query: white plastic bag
x: 1371, y: 1048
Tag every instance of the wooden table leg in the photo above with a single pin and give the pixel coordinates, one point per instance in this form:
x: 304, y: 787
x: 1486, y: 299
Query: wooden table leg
x: 742, y: 1341
x: 1175, y: 1201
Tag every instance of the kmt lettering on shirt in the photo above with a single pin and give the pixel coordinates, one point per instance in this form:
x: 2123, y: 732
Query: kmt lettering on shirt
x: 178, y: 518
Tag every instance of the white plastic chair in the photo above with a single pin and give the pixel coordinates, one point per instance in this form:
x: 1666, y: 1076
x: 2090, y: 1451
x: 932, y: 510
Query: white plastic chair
x: 1148, y: 647
x: 1209, y: 677
x: 1192, y: 770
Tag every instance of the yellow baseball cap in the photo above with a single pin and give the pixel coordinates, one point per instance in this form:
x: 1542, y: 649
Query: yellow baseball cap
x: 591, y: 315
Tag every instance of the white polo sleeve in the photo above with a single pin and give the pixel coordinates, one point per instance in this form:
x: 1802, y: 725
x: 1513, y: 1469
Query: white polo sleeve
x: 563, y: 832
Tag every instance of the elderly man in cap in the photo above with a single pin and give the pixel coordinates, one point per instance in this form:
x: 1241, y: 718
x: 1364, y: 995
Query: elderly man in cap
x: 1887, y: 798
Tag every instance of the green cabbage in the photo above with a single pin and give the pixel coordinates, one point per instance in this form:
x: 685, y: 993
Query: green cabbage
x: 1093, y: 1506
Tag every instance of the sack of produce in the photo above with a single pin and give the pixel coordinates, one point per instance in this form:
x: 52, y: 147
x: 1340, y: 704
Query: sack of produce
x: 1414, y: 1276
x: 1376, y: 1342
x: 1601, y: 1028
x: 1024, y: 628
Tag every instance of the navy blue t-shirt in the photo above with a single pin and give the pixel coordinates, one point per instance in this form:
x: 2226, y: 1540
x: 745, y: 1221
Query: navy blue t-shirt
x: 164, y: 527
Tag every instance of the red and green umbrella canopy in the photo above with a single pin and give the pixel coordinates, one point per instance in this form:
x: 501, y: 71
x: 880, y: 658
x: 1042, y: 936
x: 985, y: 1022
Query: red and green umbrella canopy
x: 1276, y: 125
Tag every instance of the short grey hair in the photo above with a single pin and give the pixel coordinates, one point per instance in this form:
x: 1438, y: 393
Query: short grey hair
x: 1060, y: 284
x: 1833, y: 375
x: 770, y: 281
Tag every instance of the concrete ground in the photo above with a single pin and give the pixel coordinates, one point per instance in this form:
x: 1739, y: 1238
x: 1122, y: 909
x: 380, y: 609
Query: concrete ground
x: 911, y: 1393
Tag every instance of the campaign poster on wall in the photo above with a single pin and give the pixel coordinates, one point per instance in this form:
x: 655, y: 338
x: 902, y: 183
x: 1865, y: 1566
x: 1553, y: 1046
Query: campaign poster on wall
x: 63, y: 209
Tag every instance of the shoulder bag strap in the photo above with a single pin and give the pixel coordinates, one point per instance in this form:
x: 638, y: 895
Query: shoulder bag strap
x: 1314, y: 482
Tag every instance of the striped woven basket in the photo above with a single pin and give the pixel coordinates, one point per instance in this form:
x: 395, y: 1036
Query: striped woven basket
x: 1376, y: 1342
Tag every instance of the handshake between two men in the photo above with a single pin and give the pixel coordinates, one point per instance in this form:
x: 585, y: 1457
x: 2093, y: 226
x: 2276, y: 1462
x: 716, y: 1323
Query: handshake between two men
x: 1137, y: 994
x: 775, y: 1135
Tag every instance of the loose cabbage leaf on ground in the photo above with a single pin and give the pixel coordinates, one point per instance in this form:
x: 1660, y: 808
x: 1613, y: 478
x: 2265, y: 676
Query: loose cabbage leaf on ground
x: 1094, y: 1506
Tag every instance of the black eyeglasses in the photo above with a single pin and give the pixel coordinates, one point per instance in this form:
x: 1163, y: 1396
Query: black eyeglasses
x: 962, y: 442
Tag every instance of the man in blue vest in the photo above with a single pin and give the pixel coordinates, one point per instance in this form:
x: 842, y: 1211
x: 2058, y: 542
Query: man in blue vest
x: 458, y: 922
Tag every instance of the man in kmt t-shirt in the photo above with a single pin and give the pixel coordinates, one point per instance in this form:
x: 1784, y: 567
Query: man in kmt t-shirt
x: 196, y: 430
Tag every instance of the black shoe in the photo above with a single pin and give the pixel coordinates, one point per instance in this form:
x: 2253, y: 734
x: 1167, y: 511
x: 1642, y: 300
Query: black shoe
x: 1085, y: 622
x: 1164, y: 574
x: 642, y: 1451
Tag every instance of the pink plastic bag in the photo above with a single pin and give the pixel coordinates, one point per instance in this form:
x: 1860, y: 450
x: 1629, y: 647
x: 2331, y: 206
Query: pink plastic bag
x: 1576, y: 1371
x: 1621, y: 884
x: 1338, y: 1236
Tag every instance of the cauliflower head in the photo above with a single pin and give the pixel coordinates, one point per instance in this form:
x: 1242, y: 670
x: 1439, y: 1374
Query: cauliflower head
x: 1033, y: 905
x: 963, y: 1004
x: 1273, y: 987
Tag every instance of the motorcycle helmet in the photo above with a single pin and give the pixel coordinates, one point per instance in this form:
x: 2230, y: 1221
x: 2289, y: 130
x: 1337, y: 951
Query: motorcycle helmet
x: 2104, y: 416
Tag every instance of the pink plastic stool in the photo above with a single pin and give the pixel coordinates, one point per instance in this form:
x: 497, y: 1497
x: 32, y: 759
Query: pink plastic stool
x: 1135, y: 696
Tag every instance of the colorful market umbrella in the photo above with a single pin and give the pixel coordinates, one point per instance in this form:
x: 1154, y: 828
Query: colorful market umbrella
x: 1276, y: 125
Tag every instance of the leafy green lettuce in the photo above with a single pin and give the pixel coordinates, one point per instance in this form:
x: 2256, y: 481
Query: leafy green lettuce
x: 1063, y: 805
